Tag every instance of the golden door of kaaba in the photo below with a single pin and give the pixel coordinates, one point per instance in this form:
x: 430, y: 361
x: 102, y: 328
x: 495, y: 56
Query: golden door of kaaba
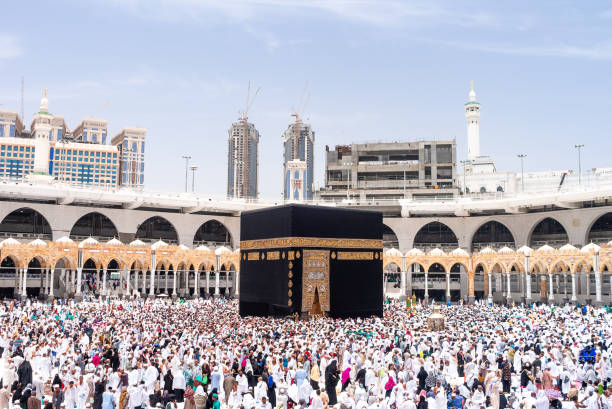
x: 315, y: 278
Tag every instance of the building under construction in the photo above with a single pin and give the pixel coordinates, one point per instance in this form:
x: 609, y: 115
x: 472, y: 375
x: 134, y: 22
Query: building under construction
x: 395, y: 170
x: 242, y: 159
x: 298, y: 160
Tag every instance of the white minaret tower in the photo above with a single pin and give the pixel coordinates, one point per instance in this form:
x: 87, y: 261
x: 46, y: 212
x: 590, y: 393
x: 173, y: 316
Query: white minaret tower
x: 472, y: 115
x: 41, y: 131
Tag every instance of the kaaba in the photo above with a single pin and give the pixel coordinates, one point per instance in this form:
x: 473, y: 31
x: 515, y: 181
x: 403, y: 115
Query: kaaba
x: 311, y: 260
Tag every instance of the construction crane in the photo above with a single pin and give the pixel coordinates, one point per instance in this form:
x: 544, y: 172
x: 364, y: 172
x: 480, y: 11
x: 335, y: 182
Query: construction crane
x: 22, y: 110
x: 301, y: 106
x: 100, y: 109
x: 244, y: 116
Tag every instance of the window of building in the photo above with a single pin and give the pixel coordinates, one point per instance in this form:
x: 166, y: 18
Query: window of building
x: 445, y: 172
x: 444, y: 153
x: 427, y: 172
x: 427, y: 153
x: 1, y: 130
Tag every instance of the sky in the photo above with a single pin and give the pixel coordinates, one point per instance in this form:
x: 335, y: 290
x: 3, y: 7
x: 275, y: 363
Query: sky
x: 376, y: 70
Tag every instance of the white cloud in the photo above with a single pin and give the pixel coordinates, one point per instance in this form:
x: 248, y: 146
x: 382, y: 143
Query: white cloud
x: 599, y: 51
x: 9, y: 47
x: 374, y: 12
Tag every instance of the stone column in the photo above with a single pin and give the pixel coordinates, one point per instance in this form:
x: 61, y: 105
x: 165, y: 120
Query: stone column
x: 403, y: 278
x: 509, y: 288
x: 104, y: 282
x: 448, y: 294
x: 207, y: 283
x: 573, y: 287
x: 527, y: 281
x: 128, y: 290
x: 565, y: 299
x: 152, y: 288
x: 196, y: 290
x: 51, y: 282
x: 426, y: 287
x: 597, y: 278
x: 174, y: 280
x: 79, y: 278
x: 217, y: 276
x: 237, y: 281
x: 46, y: 283
x: 551, y: 293
x: 489, y: 290
x: 24, y: 272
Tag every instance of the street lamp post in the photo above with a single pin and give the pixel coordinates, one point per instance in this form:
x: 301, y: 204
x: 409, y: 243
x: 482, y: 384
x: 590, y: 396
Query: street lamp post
x: 579, y: 147
x: 193, y: 170
x: 464, y: 162
x: 186, y: 157
x: 522, y: 156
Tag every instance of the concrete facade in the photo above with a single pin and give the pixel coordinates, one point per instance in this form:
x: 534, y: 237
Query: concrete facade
x: 62, y: 218
x: 576, y: 222
x: 391, y: 171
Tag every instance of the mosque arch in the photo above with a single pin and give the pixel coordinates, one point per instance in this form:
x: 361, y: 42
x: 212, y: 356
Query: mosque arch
x: 157, y: 228
x: 435, y: 234
x: 548, y: 231
x: 8, y: 269
x: 213, y: 233
x: 389, y: 237
x: 492, y: 234
x: 94, y: 224
x: 601, y: 229
x: 25, y: 222
x: 392, y: 274
x: 480, y: 282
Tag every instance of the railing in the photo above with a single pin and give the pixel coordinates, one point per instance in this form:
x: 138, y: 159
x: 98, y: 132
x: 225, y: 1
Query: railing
x: 32, y: 236
x: 591, y: 181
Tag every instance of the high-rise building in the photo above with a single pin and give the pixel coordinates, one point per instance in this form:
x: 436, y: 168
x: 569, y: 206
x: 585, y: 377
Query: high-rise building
x: 91, y: 130
x: 10, y: 124
x: 90, y: 164
x: 242, y: 159
x: 130, y: 143
x: 49, y: 152
x: 298, y: 146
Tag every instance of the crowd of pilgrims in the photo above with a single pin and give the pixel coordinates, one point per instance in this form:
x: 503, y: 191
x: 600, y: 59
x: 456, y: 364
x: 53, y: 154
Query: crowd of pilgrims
x: 179, y: 354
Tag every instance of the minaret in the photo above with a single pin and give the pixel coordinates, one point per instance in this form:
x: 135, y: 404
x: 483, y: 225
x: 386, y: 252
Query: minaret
x: 472, y: 115
x: 41, y: 131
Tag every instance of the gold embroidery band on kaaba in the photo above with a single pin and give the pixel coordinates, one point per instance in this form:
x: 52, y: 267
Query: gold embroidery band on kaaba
x: 355, y: 255
x: 316, y: 242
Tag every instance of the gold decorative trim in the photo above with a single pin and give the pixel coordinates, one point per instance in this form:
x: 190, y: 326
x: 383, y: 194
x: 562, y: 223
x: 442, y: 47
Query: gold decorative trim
x: 355, y: 255
x: 273, y: 255
x: 315, y: 276
x: 254, y: 256
x: 316, y: 242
